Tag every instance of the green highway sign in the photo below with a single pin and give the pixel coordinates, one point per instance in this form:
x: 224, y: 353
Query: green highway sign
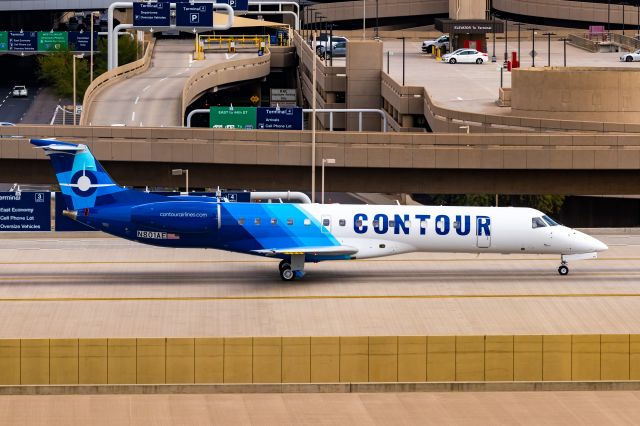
x: 53, y: 41
x: 232, y: 117
x: 4, y: 41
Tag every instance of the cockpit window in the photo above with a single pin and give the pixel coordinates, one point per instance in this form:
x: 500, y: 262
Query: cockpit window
x: 537, y: 222
x: 550, y: 221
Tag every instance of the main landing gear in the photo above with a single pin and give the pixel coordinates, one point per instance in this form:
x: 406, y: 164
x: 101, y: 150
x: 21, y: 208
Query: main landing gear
x: 292, y: 269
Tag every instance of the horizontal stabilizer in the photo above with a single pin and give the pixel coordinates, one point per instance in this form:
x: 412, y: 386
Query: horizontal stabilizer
x: 317, y: 251
x: 51, y: 146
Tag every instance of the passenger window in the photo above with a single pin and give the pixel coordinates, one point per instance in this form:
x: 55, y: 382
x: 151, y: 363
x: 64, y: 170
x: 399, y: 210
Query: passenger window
x: 537, y: 222
x: 256, y: 221
x: 392, y: 223
x: 359, y: 223
x: 274, y: 221
x: 307, y: 222
x: 407, y: 224
x: 289, y: 222
x: 326, y: 222
x: 343, y: 222
x: 423, y: 224
x: 241, y: 221
x: 456, y: 225
x: 376, y: 223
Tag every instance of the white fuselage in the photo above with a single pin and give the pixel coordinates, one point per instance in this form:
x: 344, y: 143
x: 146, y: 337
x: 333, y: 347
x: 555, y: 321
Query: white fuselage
x: 377, y: 230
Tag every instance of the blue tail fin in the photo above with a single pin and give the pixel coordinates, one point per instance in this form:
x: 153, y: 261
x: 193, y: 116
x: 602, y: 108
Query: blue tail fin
x: 83, y: 181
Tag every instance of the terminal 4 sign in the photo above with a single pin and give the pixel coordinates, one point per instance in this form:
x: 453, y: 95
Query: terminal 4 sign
x: 279, y: 118
x: 25, y: 211
x: 23, y: 41
x: 151, y: 14
x: 194, y: 15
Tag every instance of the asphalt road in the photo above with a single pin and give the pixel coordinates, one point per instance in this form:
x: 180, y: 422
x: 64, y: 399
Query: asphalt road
x: 99, y: 287
x: 13, y: 109
x: 153, y: 98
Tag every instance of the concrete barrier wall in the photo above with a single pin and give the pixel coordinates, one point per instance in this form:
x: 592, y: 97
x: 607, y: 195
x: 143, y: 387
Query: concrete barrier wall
x: 353, y: 10
x: 320, y: 359
x: 569, y: 10
x: 111, y: 77
x: 575, y: 90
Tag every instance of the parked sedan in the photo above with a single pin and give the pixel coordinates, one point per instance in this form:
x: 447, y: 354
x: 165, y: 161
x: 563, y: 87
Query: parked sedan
x: 339, y: 51
x: 466, y: 56
x: 630, y: 57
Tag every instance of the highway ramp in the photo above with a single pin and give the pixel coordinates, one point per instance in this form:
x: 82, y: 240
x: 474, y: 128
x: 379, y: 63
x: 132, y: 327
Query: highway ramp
x: 153, y: 98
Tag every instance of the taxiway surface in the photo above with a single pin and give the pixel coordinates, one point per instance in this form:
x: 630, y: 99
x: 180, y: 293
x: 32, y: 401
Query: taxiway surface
x: 67, y: 287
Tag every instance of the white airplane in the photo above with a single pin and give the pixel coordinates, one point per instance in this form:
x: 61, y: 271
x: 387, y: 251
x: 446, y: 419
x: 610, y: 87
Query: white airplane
x: 300, y: 233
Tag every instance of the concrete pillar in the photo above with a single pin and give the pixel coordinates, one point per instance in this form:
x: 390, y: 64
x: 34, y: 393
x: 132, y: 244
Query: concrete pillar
x: 467, y: 9
x: 364, y: 65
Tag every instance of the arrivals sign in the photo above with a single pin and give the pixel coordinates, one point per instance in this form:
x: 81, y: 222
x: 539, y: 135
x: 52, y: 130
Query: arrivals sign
x: 53, y: 41
x: 151, y: 14
x: 4, y: 41
x: 279, y: 118
x: 232, y: 117
x: 194, y: 15
x: 23, y: 41
x: 25, y: 211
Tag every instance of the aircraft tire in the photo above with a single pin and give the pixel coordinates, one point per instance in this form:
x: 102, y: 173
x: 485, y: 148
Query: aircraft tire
x: 287, y: 274
x: 284, y: 264
x: 563, y: 270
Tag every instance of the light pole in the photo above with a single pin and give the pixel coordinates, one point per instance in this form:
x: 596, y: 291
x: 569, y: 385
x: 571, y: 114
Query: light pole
x: 180, y: 172
x: 608, y: 18
x: 519, y: 25
x: 623, y: 5
x: 403, y: 51
x: 92, y: 48
x: 565, y: 40
x: 75, y: 105
x: 364, y: 19
x: 325, y: 161
x: 313, y: 128
x: 493, y: 30
x: 533, y: 46
x: 377, y: 35
x: 638, y: 19
x: 549, y: 34
x: 506, y: 35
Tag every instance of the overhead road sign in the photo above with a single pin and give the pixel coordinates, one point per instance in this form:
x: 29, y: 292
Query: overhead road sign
x: 151, y: 14
x: 194, y: 15
x: 232, y: 117
x: 81, y: 41
x: 279, y: 118
x: 23, y: 41
x: 4, y: 41
x: 53, y: 41
x: 237, y: 4
x: 283, y: 97
x: 25, y: 211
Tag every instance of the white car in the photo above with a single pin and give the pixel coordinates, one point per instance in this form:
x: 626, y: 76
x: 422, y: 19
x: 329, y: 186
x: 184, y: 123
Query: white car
x: 19, y: 92
x: 465, y: 56
x: 429, y: 45
x: 630, y: 57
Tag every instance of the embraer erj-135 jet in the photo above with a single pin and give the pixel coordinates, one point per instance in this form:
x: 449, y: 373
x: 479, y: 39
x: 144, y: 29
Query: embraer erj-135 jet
x: 300, y: 233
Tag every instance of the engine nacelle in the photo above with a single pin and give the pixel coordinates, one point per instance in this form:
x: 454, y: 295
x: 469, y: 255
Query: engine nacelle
x: 177, y: 216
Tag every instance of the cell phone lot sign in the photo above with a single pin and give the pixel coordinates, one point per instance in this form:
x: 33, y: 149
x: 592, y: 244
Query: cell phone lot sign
x: 25, y: 211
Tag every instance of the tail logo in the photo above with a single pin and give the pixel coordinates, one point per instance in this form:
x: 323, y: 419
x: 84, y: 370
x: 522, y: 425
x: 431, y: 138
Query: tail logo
x: 85, y: 183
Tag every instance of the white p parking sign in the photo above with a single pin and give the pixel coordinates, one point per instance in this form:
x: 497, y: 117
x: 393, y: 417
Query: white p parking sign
x: 194, y: 18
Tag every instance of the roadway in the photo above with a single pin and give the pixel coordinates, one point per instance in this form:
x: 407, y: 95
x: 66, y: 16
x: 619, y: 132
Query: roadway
x: 153, y: 98
x: 57, y: 286
x: 12, y: 109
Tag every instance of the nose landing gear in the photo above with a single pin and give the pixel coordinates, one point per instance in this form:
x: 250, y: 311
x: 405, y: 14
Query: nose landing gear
x: 563, y: 269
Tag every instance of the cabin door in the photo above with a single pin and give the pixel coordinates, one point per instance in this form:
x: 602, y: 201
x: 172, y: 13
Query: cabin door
x: 483, y: 231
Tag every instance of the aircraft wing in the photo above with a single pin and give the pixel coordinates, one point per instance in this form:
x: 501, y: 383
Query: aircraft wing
x: 318, y: 251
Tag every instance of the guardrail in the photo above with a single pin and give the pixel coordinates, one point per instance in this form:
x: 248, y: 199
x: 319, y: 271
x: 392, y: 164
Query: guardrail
x: 353, y: 359
x: 111, y: 77
x: 223, y: 73
x: 627, y: 42
x: 584, y: 43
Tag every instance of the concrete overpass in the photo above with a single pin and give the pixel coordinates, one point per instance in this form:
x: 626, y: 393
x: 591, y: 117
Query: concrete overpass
x: 567, y: 163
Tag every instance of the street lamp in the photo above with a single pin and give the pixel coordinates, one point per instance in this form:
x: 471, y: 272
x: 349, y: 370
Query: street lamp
x: 549, y: 34
x: 325, y: 161
x: 519, y: 25
x: 533, y: 46
x: 565, y: 40
x: 180, y: 172
x: 75, y: 105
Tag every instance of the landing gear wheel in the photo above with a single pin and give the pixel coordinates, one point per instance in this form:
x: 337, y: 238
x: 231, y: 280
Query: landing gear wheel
x: 452, y: 61
x: 287, y: 274
x: 563, y: 270
x: 284, y: 264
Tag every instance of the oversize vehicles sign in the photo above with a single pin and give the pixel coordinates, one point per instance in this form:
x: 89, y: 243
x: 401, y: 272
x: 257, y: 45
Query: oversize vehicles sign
x: 194, y: 15
x: 81, y: 41
x: 25, y: 211
x: 151, y: 14
x: 279, y: 118
x: 232, y: 117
